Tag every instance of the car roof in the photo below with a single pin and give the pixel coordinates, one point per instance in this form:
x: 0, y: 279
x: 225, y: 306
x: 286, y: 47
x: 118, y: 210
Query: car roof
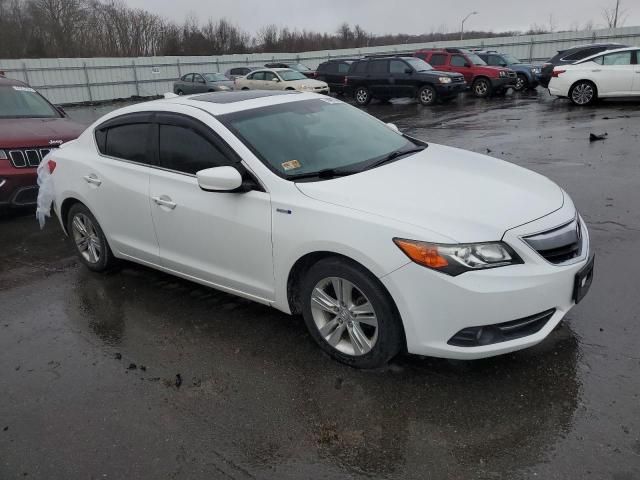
x: 590, y: 45
x: 613, y: 50
x: 221, y: 103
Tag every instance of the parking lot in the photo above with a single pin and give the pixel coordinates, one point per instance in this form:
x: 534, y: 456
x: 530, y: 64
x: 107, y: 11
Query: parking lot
x: 137, y: 374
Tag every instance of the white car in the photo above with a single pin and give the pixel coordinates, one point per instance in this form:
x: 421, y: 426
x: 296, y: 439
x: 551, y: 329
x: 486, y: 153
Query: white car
x: 302, y: 202
x: 280, y: 79
x: 610, y: 74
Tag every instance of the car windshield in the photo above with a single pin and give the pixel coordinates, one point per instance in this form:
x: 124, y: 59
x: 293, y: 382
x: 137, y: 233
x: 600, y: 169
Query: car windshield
x: 300, y: 67
x: 418, y: 64
x: 290, y: 75
x: 310, y: 137
x: 510, y: 59
x: 215, y: 77
x: 475, y: 59
x: 17, y: 101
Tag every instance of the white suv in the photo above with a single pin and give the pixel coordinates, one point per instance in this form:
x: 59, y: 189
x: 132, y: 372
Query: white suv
x: 302, y: 202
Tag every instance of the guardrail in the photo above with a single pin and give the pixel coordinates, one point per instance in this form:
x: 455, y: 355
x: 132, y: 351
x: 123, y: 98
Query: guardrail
x: 72, y: 80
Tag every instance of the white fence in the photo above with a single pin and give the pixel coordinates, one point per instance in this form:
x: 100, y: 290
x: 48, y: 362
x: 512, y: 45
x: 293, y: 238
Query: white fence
x: 71, y: 80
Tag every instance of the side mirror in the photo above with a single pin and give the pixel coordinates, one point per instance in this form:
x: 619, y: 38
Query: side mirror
x: 276, y: 79
x: 393, y: 127
x: 219, y: 179
x: 467, y: 65
x: 61, y: 110
x: 408, y: 71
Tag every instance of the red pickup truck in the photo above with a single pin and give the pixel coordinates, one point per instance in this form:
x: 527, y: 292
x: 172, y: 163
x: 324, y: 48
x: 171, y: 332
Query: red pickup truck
x: 483, y: 79
x: 30, y: 127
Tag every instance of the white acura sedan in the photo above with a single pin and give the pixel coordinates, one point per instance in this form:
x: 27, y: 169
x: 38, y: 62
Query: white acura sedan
x: 610, y: 74
x: 299, y: 201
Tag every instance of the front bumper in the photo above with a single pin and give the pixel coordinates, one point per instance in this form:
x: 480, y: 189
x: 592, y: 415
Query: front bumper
x: 502, y: 82
x: 18, y: 187
x: 435, y: 307
x: 450, y: 89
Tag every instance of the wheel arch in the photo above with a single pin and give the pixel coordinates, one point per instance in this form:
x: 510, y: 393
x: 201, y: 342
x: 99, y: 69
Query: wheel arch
x: 65, y: 207
x: 588, y: 80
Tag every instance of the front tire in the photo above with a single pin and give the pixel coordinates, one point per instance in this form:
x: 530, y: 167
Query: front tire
x: 427, y: 95
x: 89, y: 239
x: 481, y: 88
x: 349, y: 314
x: 583, y: 93
x: 521, y: 83
x: 362, y: 96
x: 180, y: 92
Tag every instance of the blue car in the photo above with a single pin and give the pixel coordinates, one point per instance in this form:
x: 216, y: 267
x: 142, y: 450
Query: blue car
x: 527, y: 72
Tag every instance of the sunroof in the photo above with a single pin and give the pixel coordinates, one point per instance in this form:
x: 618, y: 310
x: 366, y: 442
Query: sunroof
x: 239, y: 96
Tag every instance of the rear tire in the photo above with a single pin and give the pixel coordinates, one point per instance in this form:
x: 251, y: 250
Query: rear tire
x: 362, y: 96
x: 583, y: 93
x: 481, y: 88
x: 89, y: 239
x: 180, y: 92
x: 427, y: 95
x: 349, y: 314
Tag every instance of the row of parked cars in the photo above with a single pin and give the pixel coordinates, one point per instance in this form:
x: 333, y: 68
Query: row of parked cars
x: 438, y: 74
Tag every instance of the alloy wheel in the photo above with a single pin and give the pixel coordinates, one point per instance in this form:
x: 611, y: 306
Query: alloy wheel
x: 582, y: 93
x: 362, y: 95
x: 426, y: 95
x: 86, y: 238
x: 344, y: 316
x: 481, y: 88
x: 520, y: 81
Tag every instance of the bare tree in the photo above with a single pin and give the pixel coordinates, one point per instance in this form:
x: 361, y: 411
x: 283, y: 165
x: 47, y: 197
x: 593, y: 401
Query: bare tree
x: 615, y: 16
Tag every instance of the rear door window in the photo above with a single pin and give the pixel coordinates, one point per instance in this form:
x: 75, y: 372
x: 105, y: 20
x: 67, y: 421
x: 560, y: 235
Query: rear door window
x: 343, y: 68
x: 257, y: 76
x: 438, y: 59
x: 458, y: 61
x: 379, y: 67
x: 360, y: 67
x: 128, y: 142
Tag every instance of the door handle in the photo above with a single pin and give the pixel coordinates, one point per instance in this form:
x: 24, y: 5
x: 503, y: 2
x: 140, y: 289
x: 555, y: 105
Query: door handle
x: 597, y: 70
x: 164, y: 201
x: 93, y: 180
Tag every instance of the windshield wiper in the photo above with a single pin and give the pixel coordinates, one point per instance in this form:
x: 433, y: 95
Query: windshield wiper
x: 323, y: 174
x: 393, y: 155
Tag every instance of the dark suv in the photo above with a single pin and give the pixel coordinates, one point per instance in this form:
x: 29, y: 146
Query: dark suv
x: 483, y: 79
x: 332, y: 72
x: 572, y: 55
x: 29, y: 128
x: 397, y: 76
x: 527, y: 73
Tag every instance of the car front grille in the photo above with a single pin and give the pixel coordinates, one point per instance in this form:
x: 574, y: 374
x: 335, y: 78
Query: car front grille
x: 27, y: 157
x: 560, y: 244
x: 501, y: 332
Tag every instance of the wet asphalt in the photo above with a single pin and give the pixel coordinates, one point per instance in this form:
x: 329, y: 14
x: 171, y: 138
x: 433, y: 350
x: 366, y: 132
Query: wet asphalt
x: 137, y: 374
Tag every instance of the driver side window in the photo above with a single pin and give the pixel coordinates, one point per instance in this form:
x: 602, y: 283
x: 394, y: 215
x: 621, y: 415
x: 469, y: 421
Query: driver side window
x: 269, y: 76
x: 458, y: 61
x: 257, y: 76
x: 185, y: 150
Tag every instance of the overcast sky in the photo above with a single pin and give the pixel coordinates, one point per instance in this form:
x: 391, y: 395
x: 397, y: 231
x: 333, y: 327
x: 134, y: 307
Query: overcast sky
x: 394, y: 16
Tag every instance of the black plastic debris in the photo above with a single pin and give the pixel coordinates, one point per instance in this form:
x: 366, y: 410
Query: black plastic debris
x: 143, y: 368
x: 5, y: 429
x: 132, y: 366
x: 595, y: 137
x: 118, y: 356
x: 178, y: 380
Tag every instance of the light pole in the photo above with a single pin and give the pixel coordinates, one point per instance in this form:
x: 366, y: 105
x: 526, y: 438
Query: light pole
x: 462, y: 25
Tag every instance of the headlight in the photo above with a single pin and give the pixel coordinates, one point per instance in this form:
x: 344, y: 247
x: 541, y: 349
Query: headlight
x: 3, y: 155
x: 503, y: 73
x: 454, y: 259
x: 223, y: 87
x: 305, y: 87
x: 444, y: 79
x: 535, y: 70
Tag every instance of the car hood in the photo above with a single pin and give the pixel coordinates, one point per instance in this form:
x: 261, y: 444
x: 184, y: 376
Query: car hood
x: 462, y: 195
x: 442, y: 74
x: 37, y: 132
